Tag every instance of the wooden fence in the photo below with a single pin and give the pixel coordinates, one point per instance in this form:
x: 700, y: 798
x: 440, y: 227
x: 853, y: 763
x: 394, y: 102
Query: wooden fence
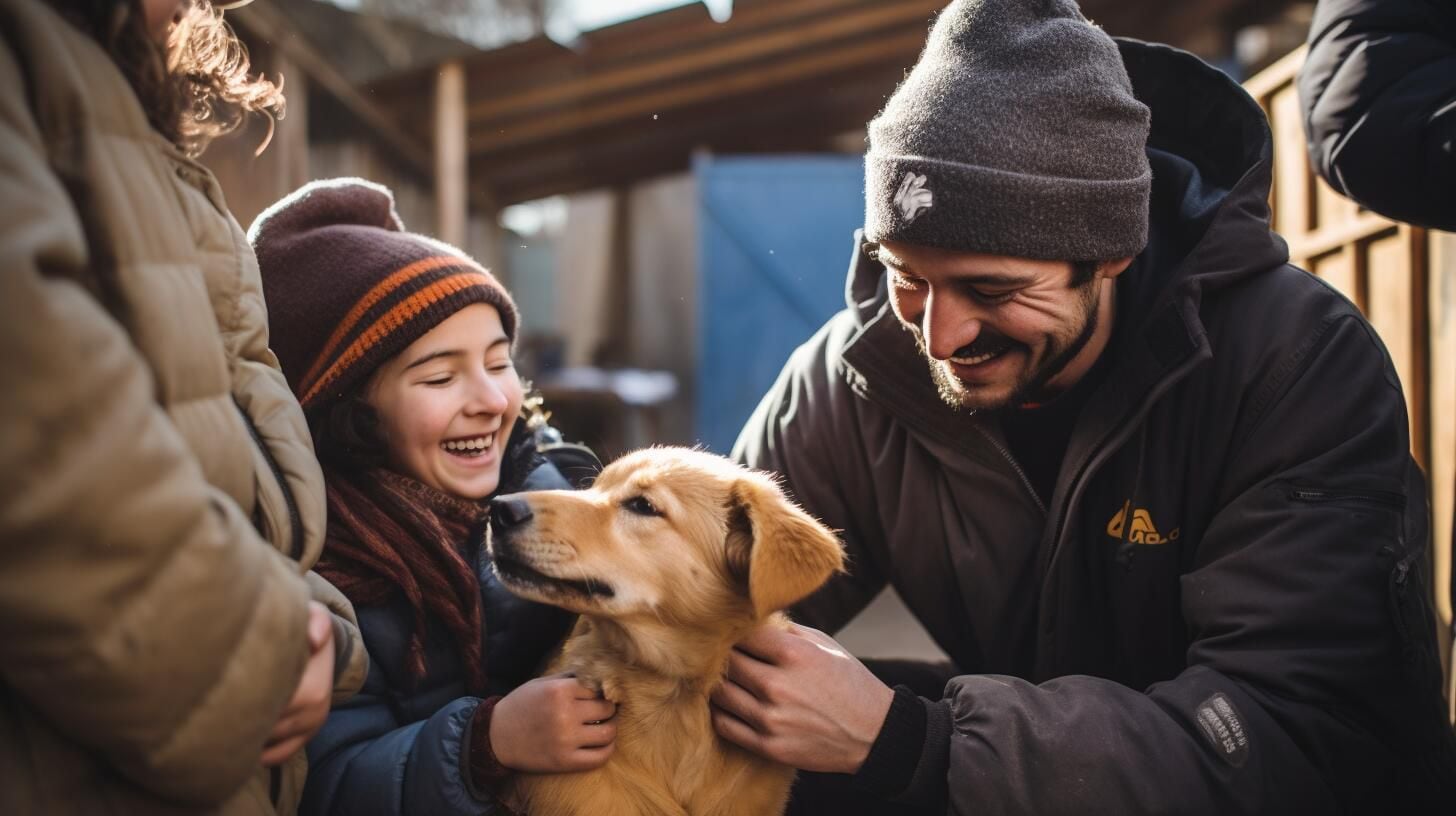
x: 1403, y: 278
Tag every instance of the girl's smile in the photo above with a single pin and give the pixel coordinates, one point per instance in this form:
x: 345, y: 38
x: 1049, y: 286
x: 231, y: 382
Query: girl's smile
x: 448, y: 402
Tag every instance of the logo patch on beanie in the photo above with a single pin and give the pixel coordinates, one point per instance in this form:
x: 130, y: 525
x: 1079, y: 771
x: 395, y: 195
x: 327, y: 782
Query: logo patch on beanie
x: 913, y: 197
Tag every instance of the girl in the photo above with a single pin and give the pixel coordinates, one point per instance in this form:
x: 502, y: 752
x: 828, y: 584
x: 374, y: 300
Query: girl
x: 399, y: 349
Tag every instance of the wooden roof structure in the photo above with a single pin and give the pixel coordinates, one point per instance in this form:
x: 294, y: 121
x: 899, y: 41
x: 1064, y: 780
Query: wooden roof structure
x: 636, y: 99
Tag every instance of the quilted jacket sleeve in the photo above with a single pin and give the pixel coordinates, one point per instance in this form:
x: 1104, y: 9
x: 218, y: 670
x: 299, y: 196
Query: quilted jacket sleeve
x: 1379, y: 96
x: 291, y: 494
x: 367, y: 761
x: 139, y: 610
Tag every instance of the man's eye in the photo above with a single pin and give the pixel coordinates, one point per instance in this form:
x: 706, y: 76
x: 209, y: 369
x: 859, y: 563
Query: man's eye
x: 641, y: 506
x: 993, y: 298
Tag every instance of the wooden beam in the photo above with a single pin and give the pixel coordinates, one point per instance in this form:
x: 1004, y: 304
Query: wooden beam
x: 452, y: 162
x: 541, y: 64
x: 795, y: 122
x: 791, y: 40
x: 270, y: 25
x: 644, y: 105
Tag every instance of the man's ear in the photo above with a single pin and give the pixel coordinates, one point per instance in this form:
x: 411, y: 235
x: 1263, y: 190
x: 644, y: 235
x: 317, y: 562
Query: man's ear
x: 780, y: 552
x: 1113, y: 268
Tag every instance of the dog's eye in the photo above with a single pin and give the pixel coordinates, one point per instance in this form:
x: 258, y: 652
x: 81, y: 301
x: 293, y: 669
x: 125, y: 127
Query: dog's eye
x: 641, y: 506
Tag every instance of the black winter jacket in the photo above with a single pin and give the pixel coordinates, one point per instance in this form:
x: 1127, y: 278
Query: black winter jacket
x: 1379, y: 96
x: 1218, y: 611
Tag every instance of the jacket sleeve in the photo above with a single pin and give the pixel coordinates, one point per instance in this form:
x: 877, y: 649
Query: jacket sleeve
x: 366, y: 761
x: 804, y: 428
x: 291, y: 494
x: 140, y: 613
x: 1380, y: 105
x: 1299, y: 680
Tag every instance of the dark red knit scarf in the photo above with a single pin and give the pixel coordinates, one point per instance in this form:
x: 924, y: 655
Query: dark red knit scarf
x: 391, y: 536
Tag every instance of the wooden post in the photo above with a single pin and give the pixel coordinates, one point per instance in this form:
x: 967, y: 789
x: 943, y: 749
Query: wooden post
x: 452, y: 167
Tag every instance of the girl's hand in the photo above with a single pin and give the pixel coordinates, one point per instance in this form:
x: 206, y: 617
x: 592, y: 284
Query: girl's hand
x: 553, y: 725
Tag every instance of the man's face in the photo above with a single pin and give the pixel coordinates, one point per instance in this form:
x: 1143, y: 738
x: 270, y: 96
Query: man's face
x: 997, y: 330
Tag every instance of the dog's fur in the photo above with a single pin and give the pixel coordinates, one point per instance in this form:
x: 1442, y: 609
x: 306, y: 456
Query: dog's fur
x: 671, y: 557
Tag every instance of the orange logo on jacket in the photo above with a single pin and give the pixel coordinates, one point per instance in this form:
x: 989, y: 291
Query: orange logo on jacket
x: 1140, y: 530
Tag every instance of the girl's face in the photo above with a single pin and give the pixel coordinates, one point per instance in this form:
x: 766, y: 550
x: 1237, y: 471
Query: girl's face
x: 160, y: 14
x: 447, y: 403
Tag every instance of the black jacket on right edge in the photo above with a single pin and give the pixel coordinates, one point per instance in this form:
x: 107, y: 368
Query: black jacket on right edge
x: 1219, y: 611
x: 1379, y: 96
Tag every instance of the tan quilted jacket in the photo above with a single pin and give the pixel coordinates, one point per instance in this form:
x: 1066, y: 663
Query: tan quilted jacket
x: 160, y: 496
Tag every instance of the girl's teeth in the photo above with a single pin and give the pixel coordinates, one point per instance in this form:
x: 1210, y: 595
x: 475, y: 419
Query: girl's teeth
x: 476, y: 445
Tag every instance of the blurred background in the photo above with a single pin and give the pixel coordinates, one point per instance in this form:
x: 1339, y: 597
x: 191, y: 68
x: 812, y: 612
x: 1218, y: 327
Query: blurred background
x: 669, y: 187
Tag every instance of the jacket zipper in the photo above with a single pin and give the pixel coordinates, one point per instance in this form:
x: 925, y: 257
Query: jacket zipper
x: 295, y: 518
x: 1104, y: 449
x: 1313, y: 495
x: 1011, y: 460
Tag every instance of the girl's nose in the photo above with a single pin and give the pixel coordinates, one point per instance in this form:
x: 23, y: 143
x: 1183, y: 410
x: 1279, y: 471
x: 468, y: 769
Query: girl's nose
x: 486, y: 396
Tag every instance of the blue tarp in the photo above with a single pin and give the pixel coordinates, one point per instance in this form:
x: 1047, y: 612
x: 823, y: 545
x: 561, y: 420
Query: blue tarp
x: 774, y: 243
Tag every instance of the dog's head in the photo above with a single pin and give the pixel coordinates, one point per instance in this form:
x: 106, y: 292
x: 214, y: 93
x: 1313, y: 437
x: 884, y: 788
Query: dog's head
x: 667, y: 534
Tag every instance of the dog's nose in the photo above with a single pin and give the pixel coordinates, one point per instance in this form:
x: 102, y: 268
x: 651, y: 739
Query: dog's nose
x: 508, y: 511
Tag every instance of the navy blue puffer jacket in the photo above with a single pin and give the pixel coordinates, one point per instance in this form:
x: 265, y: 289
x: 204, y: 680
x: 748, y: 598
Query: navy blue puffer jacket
x: 399, y: 746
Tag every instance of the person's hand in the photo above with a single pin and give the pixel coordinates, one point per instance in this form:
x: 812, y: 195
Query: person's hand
x: 798, y: 698
x: 309, y: 707
x: 553, y: 725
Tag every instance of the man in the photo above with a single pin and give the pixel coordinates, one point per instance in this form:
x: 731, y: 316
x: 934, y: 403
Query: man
x: 1153, y: 495
x: 159, y: 648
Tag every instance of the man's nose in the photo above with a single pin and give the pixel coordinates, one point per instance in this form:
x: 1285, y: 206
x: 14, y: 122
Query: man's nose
x: 948, y: 325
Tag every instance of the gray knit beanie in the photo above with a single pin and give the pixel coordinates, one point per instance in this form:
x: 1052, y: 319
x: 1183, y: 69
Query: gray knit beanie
x: 1017, y: 134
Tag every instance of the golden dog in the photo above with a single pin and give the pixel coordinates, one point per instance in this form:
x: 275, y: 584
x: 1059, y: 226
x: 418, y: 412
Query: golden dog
x: 670, y: 558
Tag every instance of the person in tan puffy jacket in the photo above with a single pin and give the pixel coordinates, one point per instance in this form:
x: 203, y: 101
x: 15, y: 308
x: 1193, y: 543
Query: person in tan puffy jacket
x: 163, y: 648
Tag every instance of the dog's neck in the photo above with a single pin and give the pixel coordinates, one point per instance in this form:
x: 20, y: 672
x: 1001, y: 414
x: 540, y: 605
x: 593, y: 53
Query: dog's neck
x: 673, y: 660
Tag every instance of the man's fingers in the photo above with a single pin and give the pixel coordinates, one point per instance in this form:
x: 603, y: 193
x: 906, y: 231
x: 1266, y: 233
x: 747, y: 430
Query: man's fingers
x: 749, y: 672
x: 735, y: 700
x: 736, y: 731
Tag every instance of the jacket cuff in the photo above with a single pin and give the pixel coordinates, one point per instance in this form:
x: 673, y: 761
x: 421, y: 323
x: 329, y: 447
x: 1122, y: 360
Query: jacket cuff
x: 481, y: 767
x: 908, y: 760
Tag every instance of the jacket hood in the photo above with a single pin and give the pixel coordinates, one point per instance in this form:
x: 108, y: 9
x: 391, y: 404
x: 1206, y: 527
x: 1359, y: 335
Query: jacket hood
x: 1212, y: 156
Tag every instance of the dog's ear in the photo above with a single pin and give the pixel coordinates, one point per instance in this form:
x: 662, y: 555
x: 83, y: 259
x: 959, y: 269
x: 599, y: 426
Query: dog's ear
x: 778, y: 551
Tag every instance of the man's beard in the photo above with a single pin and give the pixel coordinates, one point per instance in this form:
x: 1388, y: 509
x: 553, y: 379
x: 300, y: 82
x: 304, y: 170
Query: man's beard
x: 1032, y: 386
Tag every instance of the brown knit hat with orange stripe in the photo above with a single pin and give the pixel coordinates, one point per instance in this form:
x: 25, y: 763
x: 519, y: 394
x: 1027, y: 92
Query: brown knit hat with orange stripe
x: 348, y: 288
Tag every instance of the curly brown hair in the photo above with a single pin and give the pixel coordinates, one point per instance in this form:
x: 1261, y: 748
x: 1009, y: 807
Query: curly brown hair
x: 194, y: 88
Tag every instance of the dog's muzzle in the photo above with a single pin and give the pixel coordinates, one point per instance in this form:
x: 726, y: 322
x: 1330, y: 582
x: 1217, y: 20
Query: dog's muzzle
x: 508, y: 512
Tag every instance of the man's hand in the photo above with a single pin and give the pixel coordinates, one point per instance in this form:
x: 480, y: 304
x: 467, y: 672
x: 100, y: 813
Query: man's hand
x: 553, y: 725
x: 309, y: 707
x: 798, y: 698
